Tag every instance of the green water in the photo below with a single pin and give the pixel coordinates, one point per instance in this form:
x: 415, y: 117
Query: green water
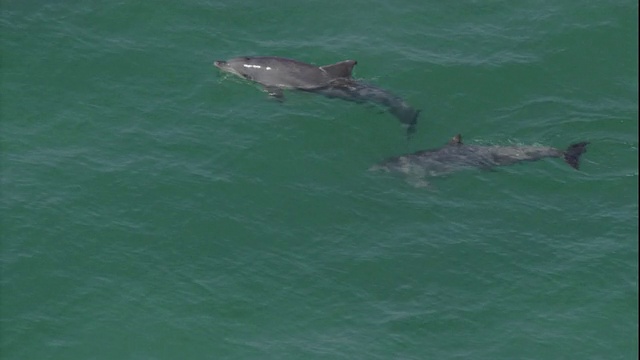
x: 153, y: 208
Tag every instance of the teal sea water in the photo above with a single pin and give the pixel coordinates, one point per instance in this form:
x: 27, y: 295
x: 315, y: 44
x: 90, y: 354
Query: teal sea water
x: 154, y: 208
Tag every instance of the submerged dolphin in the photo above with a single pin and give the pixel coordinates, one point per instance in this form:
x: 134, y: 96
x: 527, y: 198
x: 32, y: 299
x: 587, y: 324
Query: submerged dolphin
x: 335, y: 81
x: 456, y: 156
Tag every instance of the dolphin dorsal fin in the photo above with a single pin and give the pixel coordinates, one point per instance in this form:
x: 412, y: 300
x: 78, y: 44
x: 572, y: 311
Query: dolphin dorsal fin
x: 340, y: 69
x: 456, y: 140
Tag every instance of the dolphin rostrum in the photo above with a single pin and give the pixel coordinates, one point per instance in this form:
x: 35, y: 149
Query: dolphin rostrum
x: 457, y: 156
x: 334, y: 81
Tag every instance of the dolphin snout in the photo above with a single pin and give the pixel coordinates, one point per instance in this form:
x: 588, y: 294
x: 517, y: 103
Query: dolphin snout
x: 219, y: 63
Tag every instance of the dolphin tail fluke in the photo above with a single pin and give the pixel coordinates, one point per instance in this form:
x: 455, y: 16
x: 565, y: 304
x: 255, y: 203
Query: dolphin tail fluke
x: 410, y: 120
x: 414, y: 123
x: 411, y: 129
x: 573, y: 153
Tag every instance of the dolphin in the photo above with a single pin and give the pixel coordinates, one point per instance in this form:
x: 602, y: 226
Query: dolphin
x: 457, y: 156
x: 276, y: 74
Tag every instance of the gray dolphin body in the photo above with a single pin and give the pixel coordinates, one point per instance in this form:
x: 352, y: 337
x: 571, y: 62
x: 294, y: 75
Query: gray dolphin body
x: 335, y: 81
x: 457, y: 156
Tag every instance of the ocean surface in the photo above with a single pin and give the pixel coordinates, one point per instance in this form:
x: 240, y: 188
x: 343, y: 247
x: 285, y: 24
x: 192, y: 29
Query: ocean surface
x: 155, y: 208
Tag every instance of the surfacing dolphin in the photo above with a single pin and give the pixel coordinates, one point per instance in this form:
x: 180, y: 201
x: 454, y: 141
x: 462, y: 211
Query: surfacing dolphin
x: 334, y: 81
x: 457, y: 156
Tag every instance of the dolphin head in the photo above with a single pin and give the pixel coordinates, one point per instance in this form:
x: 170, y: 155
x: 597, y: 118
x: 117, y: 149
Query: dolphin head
x: 232, y: 66
x: 251, y: 68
